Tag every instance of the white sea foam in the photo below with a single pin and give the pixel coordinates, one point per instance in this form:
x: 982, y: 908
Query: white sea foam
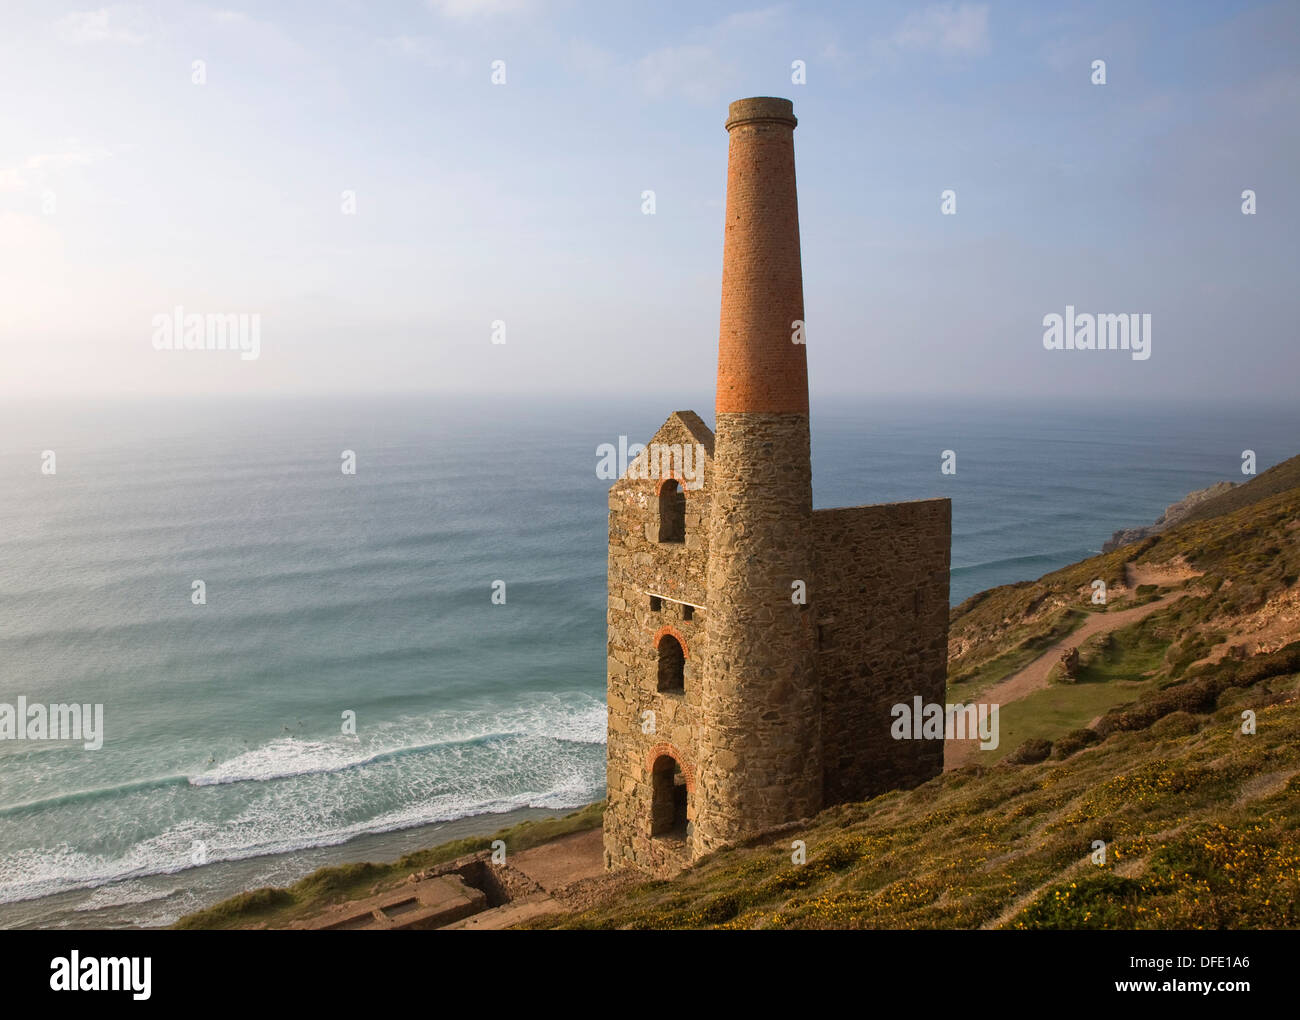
x: 30, y: 874
x: 544, y: 753
x: 577, y: 718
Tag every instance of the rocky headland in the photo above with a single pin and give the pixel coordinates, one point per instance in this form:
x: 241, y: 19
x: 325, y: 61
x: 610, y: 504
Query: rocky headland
x: 1174, y: 513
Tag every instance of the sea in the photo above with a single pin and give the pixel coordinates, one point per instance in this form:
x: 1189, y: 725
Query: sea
x: 382, y: 660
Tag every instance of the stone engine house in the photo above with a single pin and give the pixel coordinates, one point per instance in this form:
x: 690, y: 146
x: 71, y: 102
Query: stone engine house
x: 756, y: 645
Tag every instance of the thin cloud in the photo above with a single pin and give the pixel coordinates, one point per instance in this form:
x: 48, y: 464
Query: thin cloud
x: 427, y: 51
x: 744, y: 21
x: 697, y: 69
x: 950, y: 29
x: 106, y: 25
x: 589, y: 58
x: 944, y: 30
x: 40, y: 165
x: 465, y: 10
x: 692, y: 70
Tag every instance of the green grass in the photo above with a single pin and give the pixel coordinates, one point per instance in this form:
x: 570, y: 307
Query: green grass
x: 269, y: 907
x: 1047, y: 714
x: 1130, y: 654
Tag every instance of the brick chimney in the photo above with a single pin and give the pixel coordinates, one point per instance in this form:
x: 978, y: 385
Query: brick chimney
x: 759, y: 368
x: 760, y: 738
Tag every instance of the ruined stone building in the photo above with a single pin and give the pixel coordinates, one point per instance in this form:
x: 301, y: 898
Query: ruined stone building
x: 756, y: 645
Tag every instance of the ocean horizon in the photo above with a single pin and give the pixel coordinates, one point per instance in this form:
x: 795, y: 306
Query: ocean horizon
x: 226, y: 761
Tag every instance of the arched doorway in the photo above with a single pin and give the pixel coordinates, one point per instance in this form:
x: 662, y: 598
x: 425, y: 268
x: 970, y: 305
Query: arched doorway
x: 669, y: 799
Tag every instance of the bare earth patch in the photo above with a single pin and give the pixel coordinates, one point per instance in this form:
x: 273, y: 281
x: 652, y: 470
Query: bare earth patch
x: 1177, y: 571
x: 1269, y: 628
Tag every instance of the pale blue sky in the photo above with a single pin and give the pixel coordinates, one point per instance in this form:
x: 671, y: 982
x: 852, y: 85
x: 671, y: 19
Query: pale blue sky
x: 522, y: 202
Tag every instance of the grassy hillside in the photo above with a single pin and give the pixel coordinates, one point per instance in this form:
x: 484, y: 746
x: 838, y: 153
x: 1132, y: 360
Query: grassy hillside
x: 1201, y: 824
x: 1279, y: 478
x: 1246, y: 548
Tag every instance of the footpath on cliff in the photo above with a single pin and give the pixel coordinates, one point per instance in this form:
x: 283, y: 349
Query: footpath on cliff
x: 1035, y: 676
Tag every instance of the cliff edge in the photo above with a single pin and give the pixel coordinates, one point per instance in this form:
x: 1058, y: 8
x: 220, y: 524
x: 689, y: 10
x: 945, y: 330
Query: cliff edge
x: 1174, y: 514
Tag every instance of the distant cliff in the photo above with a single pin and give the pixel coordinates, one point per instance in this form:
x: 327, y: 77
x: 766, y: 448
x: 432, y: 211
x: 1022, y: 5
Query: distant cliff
x: 1174, y: 513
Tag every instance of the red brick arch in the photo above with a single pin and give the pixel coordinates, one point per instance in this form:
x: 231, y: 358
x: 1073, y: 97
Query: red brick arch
x: 668, y: 629
x: 674, y: 477
x: 659, y: 750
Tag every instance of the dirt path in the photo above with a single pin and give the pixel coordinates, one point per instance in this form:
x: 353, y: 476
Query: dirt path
x: 1033, y: 677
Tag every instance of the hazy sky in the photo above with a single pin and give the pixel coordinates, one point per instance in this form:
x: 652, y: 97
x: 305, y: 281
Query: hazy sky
x: 127, y: 189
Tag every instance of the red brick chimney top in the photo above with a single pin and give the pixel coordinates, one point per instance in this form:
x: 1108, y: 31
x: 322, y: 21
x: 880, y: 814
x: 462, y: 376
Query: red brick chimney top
x: 761, y: 367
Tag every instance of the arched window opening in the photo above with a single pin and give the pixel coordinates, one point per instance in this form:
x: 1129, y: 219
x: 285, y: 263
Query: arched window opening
x: 672, y: 512
x: 668, y: 800
x: 672, y: 664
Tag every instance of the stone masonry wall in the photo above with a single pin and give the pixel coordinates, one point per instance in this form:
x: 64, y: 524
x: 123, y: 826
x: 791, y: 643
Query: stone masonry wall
x: 760, y: 747
x: 639, y: 563
x: 882, y: 615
